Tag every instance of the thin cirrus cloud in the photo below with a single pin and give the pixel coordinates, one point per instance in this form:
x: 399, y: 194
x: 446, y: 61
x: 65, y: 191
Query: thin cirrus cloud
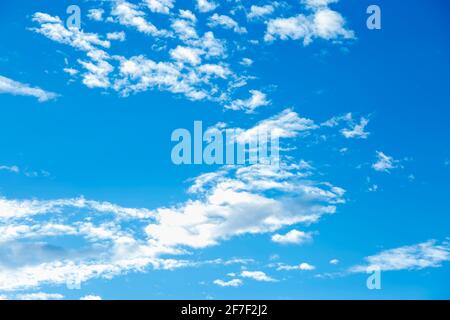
x: 384, y: 162
x: 39, y: 296
x: 304, y: 266
x: 257, y: 276
x: 9, y: 86
x: 230, y: 283
x: 429, y: 254
x: 14, y: 169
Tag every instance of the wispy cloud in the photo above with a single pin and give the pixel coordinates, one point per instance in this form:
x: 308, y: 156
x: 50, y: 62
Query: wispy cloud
x: 257, y: 99
x: 16, y: 88
x: 304, y: 266
x: 91, y: 297
x: 384, y: 162
x: 14, y: 169
x: 40, y: 296
x: 225, y: 22
x: 357, y: 131
x: 230, y: 283
x: 429, y: 254
x: 260, y: 11
x: 257, y: 275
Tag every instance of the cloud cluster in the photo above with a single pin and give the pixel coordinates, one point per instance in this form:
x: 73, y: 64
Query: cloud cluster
x: 113, y: 240
x: 322, y: 23
x: 197, y: 66
x: 225, y: 22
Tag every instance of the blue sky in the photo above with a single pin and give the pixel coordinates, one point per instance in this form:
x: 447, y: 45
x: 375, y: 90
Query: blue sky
x: 89, y: 194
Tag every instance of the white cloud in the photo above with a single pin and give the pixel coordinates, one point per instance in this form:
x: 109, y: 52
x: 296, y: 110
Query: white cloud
x: 226, y: 22
x: 357, y: 131
x: 14, y: 169
x: 119, y: 36
x: 237, y: 204
x: 186, y: 54
x: 246, y: 62
x: 40, y: 296
x: 286, y: 124
x: 306, y: 266
x: 160, y: 6
x: 141, y: 74
x: 384, y: 162
x: 13, y: 209
x: 91, y: 297
x: 197, y: 68
x: 96, y: 14
x: 98, y: 73
x: 257, y: 275
x: 302, y: 267
x: 206, y: 5
x: 215, y: 69
x: 185, y: 28
x: 137, y: 73
x: 260, y: 11
x: 428, y: 254
x: 230, y: 283
x: 334, y: 261
x: 292, y: 237
x: 71, y: 71
x: 187, y: 14
x: 234, y: 201
x: 353, y: 131
x: 323, y: 23
x: 128, y: 14
x: 98, y: 69
x: 314, y: 4
x: 16, y: 88
x: 237, y: 197
x: 257, y: 99
x: 53, y: 28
